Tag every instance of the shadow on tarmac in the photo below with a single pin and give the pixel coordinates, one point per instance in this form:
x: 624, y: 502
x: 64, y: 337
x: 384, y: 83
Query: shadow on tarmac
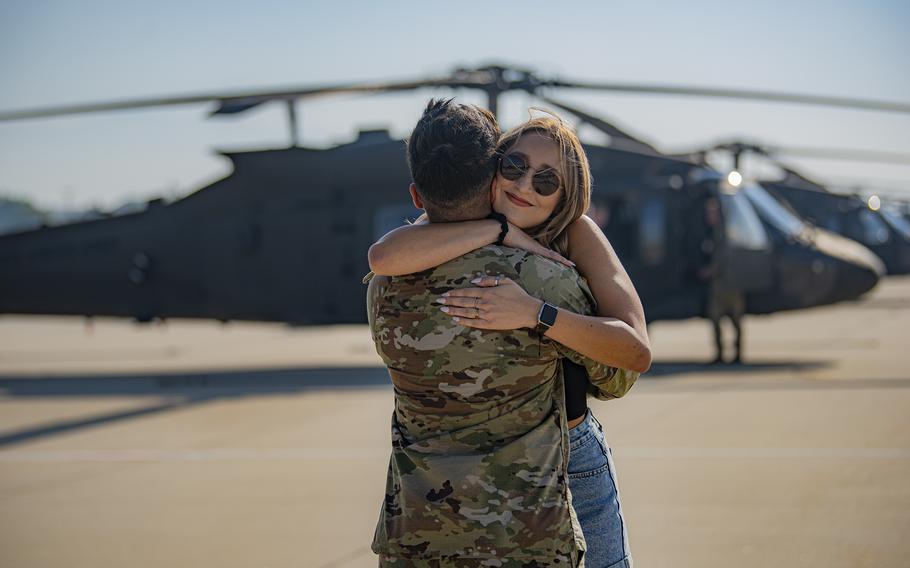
x: 788, y: 376
x: 180, y: 390
x: 663, y: 368
x: 234, y: 383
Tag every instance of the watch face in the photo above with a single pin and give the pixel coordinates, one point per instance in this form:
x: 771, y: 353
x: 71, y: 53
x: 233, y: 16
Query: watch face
x: 548, y: 315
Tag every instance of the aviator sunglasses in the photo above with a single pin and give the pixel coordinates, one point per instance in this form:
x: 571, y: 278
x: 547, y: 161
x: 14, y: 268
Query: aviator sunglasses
x: 514, y: 166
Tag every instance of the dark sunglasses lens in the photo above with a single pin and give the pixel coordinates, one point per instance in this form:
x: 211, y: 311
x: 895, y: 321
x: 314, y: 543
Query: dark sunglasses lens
x: 512, y: 167
x: 545, y: 183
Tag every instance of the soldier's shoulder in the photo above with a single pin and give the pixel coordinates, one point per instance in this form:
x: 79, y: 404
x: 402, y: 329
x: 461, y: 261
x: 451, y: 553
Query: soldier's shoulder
x: 541, y: 268
x: 495, y: 252
x: 481, y: 260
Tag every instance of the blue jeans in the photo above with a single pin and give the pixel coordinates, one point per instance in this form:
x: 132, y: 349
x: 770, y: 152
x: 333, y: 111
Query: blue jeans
x: 595, y: 496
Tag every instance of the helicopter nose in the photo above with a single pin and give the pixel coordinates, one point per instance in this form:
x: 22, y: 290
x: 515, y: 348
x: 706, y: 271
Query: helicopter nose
x: 858, y: 268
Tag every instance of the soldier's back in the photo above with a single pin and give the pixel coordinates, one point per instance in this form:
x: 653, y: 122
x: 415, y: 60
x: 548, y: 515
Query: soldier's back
x: 478, y: 433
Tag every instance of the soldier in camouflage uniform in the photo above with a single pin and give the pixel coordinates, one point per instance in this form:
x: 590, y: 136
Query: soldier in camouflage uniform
x: 477, y: 475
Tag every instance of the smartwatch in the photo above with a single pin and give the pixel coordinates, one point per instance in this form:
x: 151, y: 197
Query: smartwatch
x: 546, y: 317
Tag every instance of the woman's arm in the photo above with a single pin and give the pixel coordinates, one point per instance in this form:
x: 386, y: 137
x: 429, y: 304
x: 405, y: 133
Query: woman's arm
x: 423, y: 245
x: 617, y: 337
x: 621, y: 332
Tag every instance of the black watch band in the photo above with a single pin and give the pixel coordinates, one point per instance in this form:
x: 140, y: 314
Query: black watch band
x: 503, y: 223
x: 546, y: 317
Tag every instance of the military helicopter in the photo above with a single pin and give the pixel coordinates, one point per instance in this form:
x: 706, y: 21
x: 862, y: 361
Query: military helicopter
x: 866, y: 220
x: 284, y: 236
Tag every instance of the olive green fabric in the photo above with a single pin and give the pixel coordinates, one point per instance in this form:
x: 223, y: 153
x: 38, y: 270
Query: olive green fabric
x: 479, y: 435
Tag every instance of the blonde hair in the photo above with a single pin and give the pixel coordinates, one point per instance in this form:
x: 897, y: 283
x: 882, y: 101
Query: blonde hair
x: 574, y: 176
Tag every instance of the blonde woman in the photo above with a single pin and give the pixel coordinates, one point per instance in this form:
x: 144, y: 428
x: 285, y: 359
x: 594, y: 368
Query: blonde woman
x: 543, y: 188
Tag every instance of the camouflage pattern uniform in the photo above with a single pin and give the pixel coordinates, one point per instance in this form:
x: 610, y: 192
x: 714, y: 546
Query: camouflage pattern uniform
x: 477, y: 475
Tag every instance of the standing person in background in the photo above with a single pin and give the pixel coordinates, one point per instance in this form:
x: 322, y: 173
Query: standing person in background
x: 723, y: 298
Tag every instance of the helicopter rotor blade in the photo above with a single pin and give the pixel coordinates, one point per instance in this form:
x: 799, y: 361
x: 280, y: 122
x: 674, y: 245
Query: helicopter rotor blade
x: 773, y: 151
x: 841, y: 154
x: 494, y: 80
x: 619, y: 138
x: 744, y: 94
x: 797, y: 179
x: 234, y: 103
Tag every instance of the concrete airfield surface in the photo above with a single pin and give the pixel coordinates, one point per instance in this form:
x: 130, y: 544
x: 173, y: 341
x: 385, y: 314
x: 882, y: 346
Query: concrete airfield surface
x: 255, y: 445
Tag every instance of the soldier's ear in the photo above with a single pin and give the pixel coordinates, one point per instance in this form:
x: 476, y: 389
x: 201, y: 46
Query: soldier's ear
x: 415, y: 197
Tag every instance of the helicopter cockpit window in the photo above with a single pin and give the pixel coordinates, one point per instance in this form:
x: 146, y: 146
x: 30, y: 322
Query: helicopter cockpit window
x: 897, y: 222
x: 772, y: 211
x: 875, y: 232
x: 652, y: 233
x: 391, y: 217
x: 743, y: 227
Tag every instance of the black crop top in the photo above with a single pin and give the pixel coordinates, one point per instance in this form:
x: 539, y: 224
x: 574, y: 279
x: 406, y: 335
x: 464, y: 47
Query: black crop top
x: 576, y: 377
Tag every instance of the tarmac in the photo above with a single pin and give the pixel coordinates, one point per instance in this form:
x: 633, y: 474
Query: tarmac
x: 261, y: 445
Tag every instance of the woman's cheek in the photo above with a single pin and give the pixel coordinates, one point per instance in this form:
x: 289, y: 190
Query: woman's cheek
x: 500, y: 203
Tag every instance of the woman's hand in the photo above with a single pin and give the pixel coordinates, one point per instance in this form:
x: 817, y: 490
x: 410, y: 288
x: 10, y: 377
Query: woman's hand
x: 516, y: 238
x: 497, y: 303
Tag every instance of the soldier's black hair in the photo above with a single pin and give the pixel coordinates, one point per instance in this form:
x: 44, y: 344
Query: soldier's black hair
x: 452, y: 157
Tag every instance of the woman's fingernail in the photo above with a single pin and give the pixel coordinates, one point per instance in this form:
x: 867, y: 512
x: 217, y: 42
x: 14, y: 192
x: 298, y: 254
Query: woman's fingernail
x: 455, y: 318
x: 476, y: 280
x: 441, y: 300
x: 445, y: 309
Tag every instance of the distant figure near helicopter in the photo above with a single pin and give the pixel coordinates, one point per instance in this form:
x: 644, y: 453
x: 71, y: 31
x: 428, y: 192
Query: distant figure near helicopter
x: 723, y: 298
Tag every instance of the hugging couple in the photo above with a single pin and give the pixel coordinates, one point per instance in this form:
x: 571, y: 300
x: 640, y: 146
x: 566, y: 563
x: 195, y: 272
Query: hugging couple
x: 498, y: 313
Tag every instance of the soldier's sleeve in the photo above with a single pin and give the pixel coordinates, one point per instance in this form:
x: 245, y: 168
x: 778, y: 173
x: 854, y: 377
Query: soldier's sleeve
x: 375, y: 290
x: 605, y: 382
x: 568, y: 290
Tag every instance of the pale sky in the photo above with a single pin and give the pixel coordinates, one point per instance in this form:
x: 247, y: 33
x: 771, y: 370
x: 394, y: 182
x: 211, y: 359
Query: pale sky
x: 61, y: 52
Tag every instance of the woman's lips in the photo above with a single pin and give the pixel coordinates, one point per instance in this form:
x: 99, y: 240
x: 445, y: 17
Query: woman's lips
x: 517, y: 201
